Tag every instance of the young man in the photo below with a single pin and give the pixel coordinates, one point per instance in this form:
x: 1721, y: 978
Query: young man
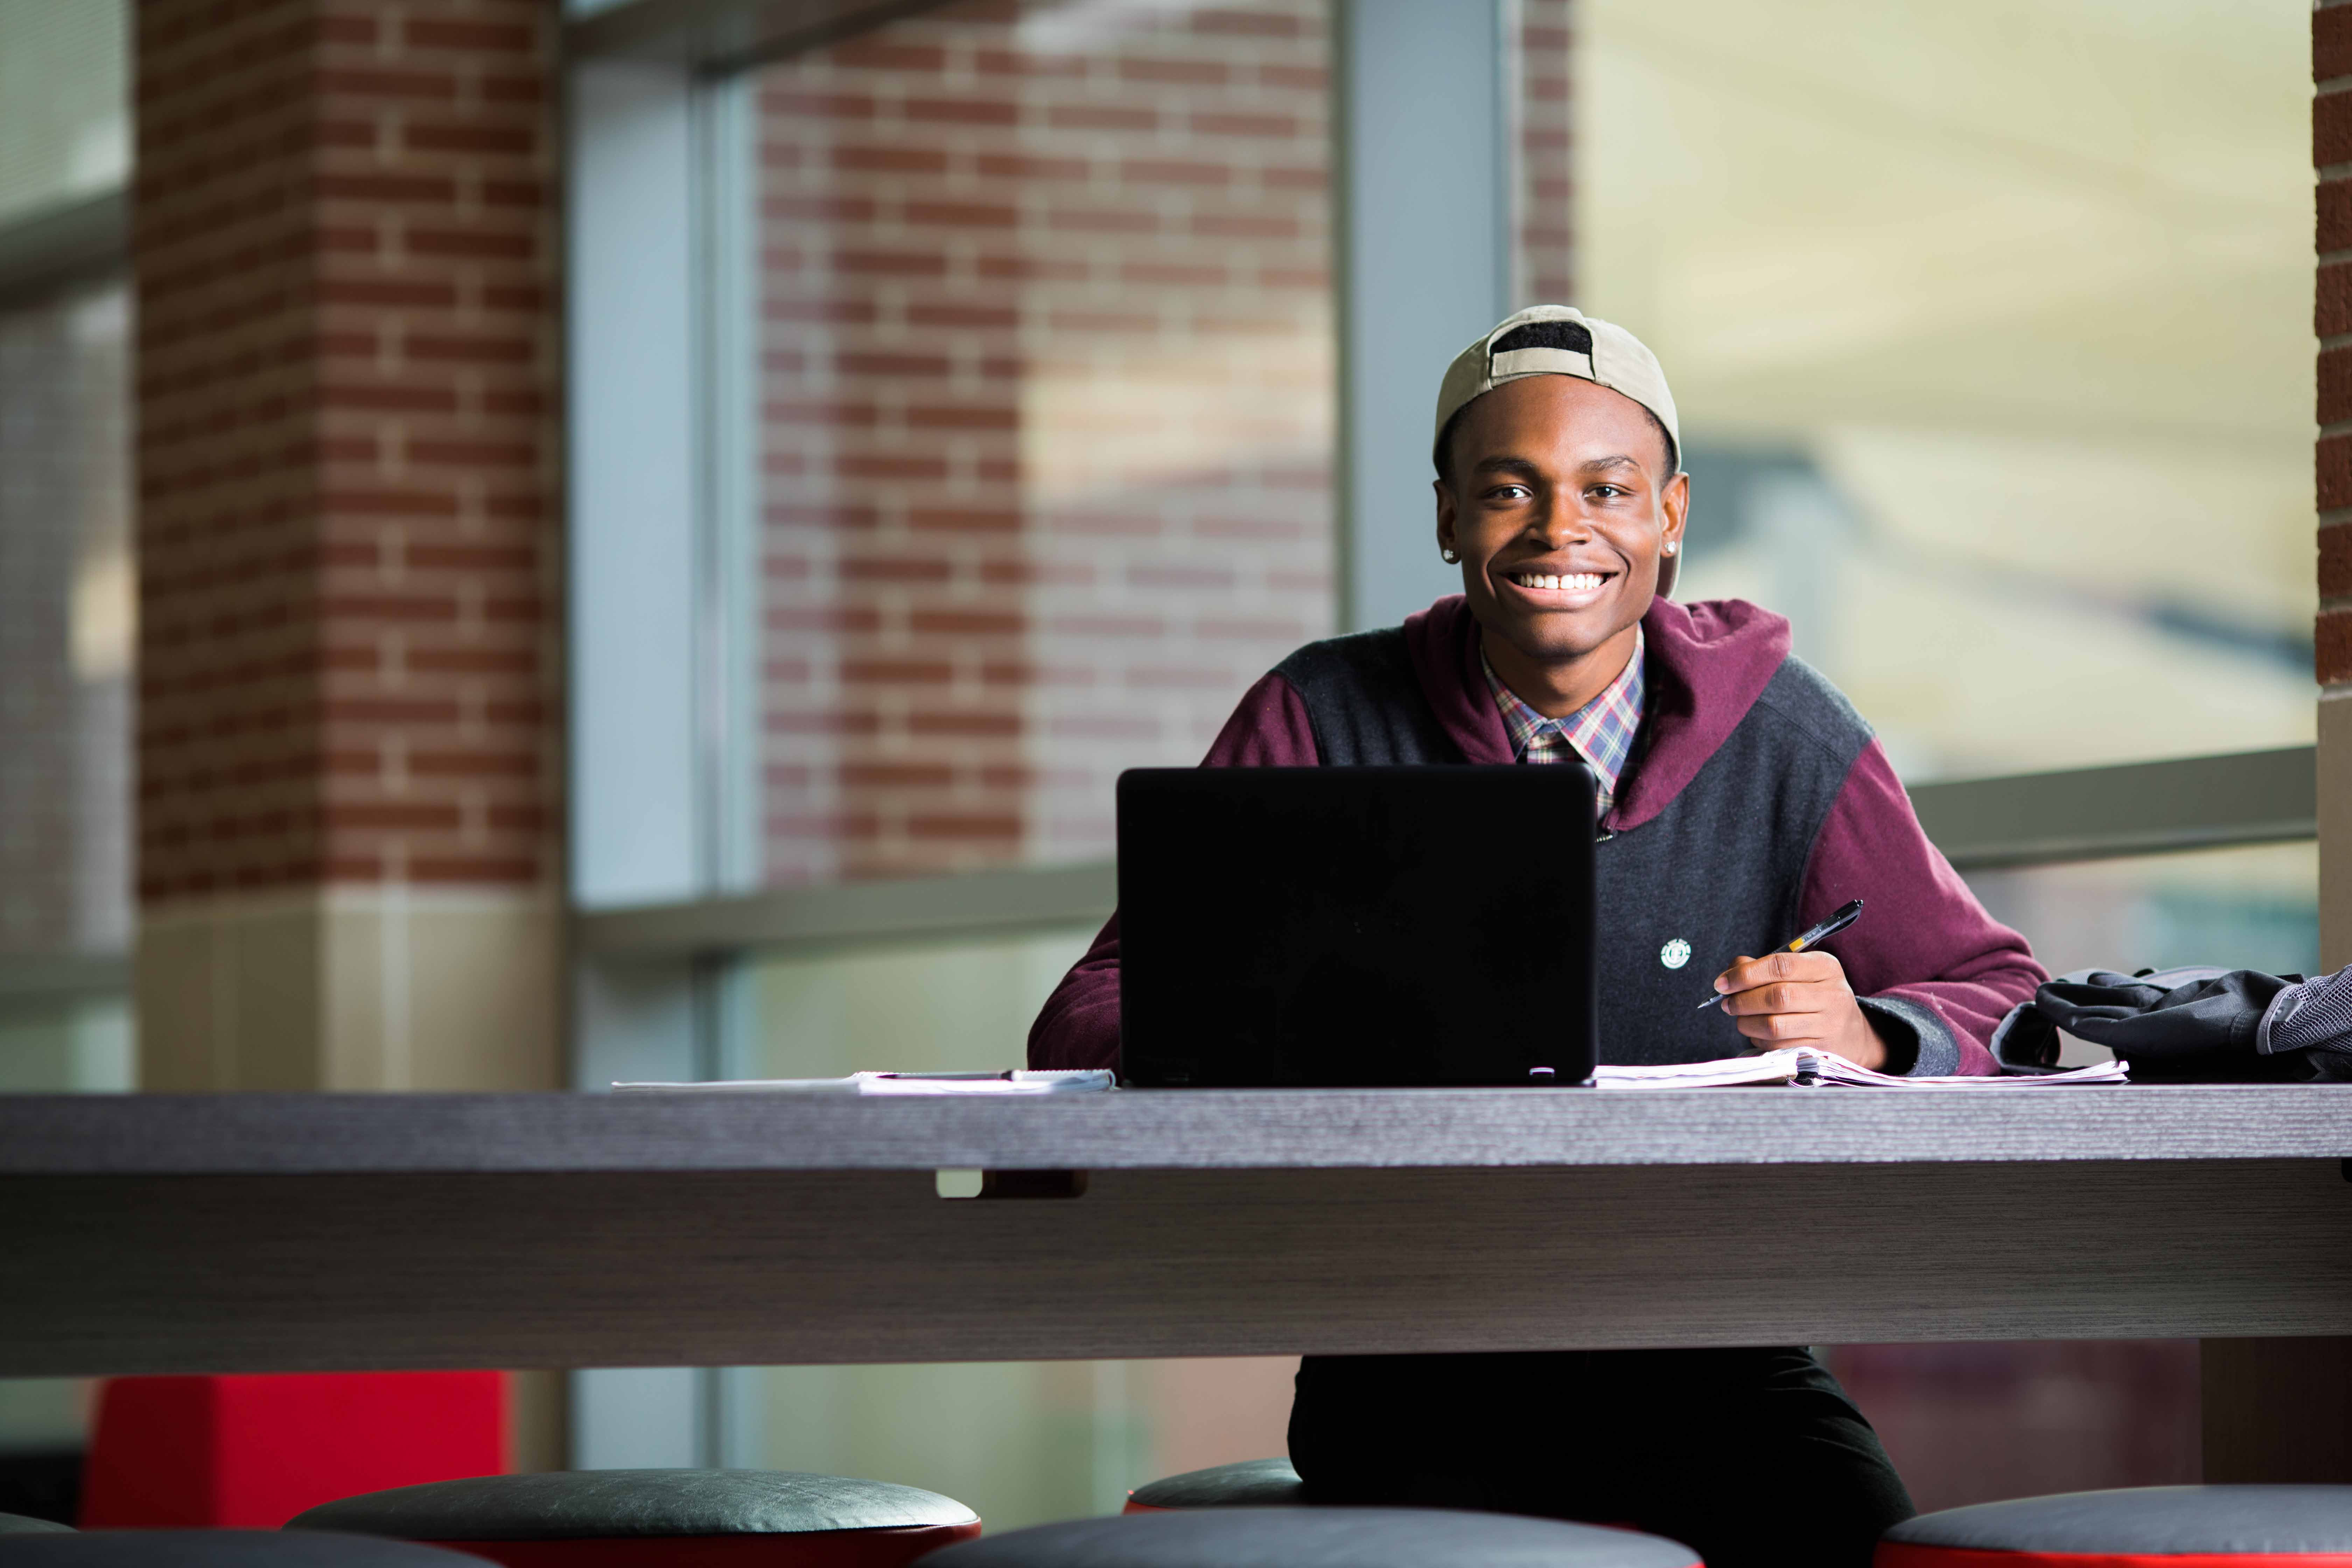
x: 1741, y: 800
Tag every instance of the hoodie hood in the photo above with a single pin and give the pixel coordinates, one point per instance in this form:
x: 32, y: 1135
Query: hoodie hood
x: 1708, y: 664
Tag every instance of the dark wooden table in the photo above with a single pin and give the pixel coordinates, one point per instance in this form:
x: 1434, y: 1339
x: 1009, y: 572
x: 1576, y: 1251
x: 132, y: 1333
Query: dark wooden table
x: 259, y: 1232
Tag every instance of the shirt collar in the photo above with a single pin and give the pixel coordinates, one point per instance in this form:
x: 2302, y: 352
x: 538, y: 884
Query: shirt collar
x: 1601, y: 732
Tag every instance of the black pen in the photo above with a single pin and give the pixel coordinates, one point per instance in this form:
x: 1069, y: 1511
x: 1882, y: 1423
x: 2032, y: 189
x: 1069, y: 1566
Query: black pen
x: 1821, y: 932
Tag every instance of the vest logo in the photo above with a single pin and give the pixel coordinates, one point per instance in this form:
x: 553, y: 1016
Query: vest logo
x: 1675, y: 953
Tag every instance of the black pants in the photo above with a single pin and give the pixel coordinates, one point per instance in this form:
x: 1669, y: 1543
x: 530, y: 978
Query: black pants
x: 1754, y: 1458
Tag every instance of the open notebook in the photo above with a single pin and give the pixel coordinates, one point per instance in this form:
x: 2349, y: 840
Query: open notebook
x: 1801, y: 1064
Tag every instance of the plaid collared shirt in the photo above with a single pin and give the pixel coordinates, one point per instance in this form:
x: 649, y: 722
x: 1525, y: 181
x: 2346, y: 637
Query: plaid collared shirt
x: 1601, y: 732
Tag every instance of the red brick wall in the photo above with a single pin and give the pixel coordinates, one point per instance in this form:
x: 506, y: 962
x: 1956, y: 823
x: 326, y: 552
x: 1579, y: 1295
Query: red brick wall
x: 2331, y: 153
x: 347, y: 337
x: 1047, y: 305
x: 1547, y: 190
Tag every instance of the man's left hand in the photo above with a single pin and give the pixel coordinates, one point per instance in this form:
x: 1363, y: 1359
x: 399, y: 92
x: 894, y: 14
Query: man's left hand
x: 1799, y: 999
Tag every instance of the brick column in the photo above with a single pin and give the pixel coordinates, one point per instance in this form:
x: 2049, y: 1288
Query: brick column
x: 345, y: 260
x: 2331, y: 153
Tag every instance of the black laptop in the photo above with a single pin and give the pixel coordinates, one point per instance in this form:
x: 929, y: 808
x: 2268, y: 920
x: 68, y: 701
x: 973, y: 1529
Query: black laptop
x: 1356, y: 926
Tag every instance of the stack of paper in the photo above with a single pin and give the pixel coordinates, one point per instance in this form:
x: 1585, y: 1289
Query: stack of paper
x: 908, y: 1083
x: 1768, y: 1066
x: 1804, y: 1065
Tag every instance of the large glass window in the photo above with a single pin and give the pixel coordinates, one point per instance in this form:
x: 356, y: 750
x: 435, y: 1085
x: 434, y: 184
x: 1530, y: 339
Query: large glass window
x: 1044, y: 390
x: 67, y: 610
x: 65, y: 135
x: 1991, y: 329
x: 2245, y: 908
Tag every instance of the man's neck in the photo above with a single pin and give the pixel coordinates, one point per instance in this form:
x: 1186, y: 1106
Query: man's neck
x: 1559, y: 689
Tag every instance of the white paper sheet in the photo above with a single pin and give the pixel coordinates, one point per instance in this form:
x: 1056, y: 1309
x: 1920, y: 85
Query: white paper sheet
x: 1803, y: 1066
x: 892, y: 1083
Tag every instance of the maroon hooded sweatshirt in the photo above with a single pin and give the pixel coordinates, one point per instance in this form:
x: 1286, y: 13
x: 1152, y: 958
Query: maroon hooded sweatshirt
x: 1755, y: 802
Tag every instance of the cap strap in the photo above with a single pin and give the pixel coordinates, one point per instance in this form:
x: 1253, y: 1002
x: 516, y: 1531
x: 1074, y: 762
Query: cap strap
x: 1540, y: 362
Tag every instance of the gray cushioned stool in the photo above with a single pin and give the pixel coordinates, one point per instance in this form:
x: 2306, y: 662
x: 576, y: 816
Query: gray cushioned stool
x: 662, y: 1519
x: 217, y: 1549
x: 2165, y: 1526
x: 1316, y: 1538
x: 19, y: 1524
x: 1251, y: 1483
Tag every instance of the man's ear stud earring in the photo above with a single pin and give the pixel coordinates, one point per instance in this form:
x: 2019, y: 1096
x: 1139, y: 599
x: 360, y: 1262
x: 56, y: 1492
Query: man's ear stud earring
x: 1669, y: 548
x: 1448, y: 556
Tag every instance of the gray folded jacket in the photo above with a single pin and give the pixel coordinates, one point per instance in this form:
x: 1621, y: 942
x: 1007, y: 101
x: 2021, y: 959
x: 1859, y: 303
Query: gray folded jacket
x: 2195, y: 1024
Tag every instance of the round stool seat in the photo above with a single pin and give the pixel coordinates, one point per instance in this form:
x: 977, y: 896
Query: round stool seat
x: 2163, y: 1527
x: 1251, y: 1483
x: 680, y: 1518
x: 217, y: 1549
x: 21, y: 1524
x: 1316, y: 1538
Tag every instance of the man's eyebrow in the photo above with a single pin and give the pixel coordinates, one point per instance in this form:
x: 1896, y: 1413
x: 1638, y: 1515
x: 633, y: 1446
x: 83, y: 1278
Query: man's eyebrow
x: 1508, y: 465
x: 1528, y: 468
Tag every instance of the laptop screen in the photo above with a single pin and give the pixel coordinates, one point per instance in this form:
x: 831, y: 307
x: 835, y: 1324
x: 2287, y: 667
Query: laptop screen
x: 1356, y: 926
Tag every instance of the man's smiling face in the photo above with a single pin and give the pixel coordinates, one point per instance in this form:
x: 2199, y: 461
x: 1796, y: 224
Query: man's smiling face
x: 1560, y: 502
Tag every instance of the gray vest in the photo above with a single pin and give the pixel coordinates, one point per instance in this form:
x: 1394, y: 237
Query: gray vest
x: 1717, y: 872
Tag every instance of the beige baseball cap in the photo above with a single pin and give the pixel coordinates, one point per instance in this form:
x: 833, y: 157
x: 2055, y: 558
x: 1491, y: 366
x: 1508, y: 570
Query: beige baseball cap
x: 1560, y: 340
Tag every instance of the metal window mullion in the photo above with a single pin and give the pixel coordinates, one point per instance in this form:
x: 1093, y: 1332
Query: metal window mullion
x: 1422, y: 203
x: 1510, y: 189
x: 727, y: 411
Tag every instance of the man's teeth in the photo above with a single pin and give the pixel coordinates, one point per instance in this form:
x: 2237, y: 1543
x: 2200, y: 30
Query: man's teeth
x: 1573, y: 581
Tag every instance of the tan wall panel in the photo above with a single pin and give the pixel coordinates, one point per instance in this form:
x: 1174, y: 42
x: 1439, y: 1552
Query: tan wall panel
x: 2336, y: 830
x: 227, y: 996
x: 356, y: 988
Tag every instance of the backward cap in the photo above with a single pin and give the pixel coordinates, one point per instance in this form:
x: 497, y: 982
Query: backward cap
x: 1611, y: 357
x: 1614, y: 358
